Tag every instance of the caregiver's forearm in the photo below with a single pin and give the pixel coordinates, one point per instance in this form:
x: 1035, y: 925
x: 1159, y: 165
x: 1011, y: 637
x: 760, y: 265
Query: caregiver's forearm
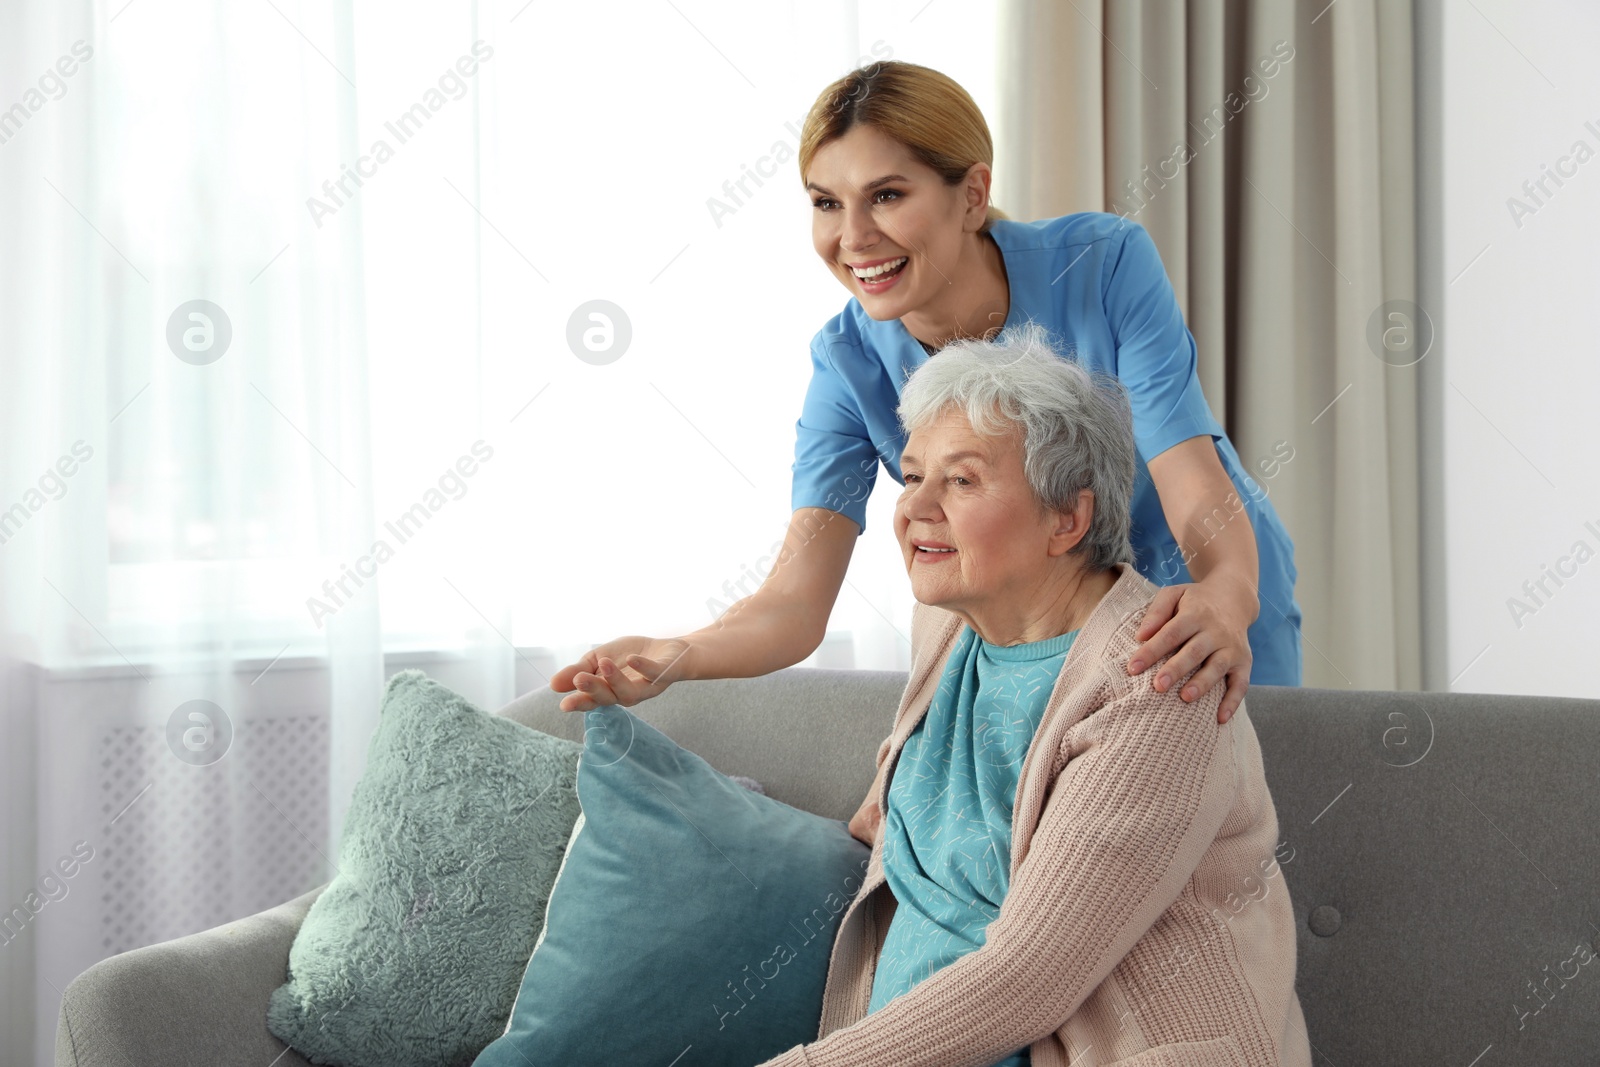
x: 1230, y: 563
x: 784, y: 620
x: 1208, y: 520
x: 756, y: 636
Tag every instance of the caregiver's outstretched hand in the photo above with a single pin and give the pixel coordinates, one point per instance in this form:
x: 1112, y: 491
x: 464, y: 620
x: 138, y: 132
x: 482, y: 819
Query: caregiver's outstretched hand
x: 624, y: 671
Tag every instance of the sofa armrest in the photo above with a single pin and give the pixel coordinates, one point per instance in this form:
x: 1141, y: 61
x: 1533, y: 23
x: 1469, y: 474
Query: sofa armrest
x: 200, y: 999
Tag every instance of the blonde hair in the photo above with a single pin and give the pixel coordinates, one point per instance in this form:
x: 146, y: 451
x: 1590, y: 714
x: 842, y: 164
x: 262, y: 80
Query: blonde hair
x: 924, y: 110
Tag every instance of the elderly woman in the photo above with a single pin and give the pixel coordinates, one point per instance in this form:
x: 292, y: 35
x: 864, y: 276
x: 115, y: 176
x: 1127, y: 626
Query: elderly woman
x: 1071, y: 866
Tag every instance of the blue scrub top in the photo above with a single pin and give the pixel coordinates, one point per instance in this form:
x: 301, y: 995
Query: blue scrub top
x: 1095, y: 282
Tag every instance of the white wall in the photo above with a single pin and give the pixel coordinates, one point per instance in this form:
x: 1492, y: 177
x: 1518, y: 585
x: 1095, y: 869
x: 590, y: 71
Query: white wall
x: 1516, y: 380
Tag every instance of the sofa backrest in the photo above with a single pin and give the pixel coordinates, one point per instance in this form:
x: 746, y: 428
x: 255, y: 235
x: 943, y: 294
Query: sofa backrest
x: 808, y: 736
x: 1442, y: 851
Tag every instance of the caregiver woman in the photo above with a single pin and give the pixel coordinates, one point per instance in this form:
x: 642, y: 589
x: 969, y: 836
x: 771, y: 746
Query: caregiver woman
x: 897, y: 160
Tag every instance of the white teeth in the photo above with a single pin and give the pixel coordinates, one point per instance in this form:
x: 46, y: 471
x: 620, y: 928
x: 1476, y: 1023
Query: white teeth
x: 869, y: 273
x: 923, y: 548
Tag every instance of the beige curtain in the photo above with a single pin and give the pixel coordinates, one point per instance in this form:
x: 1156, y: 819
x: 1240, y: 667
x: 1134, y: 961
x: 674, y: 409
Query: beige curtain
x: 1267, y: 148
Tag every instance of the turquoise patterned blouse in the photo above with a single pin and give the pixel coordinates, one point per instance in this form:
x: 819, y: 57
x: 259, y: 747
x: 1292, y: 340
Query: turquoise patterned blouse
x: 947, y: 828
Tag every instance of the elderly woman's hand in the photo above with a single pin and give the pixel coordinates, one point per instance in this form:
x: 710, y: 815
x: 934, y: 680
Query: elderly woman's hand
x: 865, y: 822
x: 1209, y: 630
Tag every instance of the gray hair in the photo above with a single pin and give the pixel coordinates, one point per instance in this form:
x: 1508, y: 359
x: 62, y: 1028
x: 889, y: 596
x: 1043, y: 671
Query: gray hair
x: 1076, y: 424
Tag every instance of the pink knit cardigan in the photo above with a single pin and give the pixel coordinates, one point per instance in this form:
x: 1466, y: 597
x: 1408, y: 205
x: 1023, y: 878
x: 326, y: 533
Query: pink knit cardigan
x: 1147, y: 923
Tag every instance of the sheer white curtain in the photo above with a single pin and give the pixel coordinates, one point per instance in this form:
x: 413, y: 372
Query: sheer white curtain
x: 187, y: 448
x: 295, y: 393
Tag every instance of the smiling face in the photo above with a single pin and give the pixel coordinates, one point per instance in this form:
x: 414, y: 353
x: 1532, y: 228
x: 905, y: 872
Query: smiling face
x: 875, y: 206
x: 975, y: 540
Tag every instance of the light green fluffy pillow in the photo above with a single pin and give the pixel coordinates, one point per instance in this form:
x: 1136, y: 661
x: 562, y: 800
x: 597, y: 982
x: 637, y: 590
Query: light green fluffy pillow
x: 414, y: 952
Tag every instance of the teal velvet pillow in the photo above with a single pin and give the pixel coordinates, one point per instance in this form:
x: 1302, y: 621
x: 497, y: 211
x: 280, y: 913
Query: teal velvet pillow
x: 691, y: 915
x: 412, y: 954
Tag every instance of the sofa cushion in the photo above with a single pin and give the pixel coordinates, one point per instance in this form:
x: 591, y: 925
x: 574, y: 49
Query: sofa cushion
x: 413, y: 953
x: 689, y: 913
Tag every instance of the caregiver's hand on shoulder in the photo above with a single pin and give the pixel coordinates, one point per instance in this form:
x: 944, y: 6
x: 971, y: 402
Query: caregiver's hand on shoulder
x: 624, y: 671
x: 1202, y: 629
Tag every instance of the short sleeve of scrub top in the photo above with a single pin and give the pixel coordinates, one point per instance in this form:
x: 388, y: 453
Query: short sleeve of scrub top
x: 835, y: 461
x: 1156, y: 358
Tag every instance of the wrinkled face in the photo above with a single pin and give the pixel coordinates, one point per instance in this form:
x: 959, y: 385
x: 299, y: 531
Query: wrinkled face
x: 970, y: 530
x: 877, y: 210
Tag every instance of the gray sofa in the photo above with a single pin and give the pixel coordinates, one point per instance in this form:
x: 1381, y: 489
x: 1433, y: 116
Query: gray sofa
x: 1445, y: 871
